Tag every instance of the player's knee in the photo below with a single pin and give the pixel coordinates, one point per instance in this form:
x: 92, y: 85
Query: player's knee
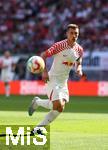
x: 57, y: 105
x: 60, y: 109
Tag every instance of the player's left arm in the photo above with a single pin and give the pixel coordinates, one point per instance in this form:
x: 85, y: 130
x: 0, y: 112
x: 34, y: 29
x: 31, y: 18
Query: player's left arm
x: 79, y: 70
x: 79, y: 67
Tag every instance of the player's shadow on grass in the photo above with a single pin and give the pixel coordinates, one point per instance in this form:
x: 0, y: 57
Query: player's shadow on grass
x: 76, y: 104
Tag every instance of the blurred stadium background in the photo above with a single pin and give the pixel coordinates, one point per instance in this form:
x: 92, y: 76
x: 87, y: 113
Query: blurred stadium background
x: 29, y: 27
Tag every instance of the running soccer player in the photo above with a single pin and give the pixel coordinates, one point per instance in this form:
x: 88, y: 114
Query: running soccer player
x: 6, y: 66
x: 67, y: 53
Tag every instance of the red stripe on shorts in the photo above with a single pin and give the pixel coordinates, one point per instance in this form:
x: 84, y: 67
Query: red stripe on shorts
x: 51, y: 95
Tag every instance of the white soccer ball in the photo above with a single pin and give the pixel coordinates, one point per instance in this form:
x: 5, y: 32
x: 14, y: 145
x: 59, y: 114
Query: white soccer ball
x: 35, y: 64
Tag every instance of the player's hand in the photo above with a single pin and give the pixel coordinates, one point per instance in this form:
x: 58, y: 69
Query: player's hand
x: 79, y: 73
x: 45, y: 76
x: 83, y: 77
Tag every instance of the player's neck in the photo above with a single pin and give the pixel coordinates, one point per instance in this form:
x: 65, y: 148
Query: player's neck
x: 71, y: 43
x: 7, y: 57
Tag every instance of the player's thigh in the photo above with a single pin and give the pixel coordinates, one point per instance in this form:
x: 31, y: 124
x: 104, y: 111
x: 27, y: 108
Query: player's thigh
x: 57, y: 91
x: 49, y: 89
x: 60, y: 93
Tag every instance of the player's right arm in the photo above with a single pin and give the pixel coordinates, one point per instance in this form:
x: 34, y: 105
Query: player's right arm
x: 2, y: 65
x: 45, y: 76
x: 54, y: 49
x: 48, y: 53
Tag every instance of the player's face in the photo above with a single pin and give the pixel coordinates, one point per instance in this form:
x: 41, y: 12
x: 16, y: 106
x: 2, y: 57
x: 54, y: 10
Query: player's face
x: 7, y: 54
x: 72, y: 34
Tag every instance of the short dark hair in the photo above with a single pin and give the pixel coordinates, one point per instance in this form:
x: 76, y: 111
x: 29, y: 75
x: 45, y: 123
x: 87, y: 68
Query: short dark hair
x: 73, y: 26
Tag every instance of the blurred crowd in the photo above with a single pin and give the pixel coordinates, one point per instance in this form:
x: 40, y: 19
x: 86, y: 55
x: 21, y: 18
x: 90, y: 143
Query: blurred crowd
x: 31, y: 26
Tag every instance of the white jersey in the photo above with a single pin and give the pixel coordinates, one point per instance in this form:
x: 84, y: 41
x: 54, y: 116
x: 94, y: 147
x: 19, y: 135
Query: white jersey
x: 6, y: 73
x: 64, y: 59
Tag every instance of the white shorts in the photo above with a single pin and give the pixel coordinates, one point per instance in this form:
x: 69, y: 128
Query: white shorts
x: 57, y: 91
x: 7, y: 77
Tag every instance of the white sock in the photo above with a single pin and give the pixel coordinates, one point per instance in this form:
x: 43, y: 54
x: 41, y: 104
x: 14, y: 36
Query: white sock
x: 52, y: 115
x: 7, y: 90
x: 44, y: 103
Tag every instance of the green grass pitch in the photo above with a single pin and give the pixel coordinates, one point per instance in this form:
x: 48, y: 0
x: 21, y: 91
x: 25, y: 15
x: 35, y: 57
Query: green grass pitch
x: 82, y: 126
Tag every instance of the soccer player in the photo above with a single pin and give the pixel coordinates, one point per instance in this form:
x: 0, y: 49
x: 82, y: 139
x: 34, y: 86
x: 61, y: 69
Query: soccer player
x: 67, y: 53
x: 6, y: 66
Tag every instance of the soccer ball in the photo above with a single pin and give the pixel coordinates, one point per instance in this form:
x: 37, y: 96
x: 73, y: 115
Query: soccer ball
x: 35, y: 64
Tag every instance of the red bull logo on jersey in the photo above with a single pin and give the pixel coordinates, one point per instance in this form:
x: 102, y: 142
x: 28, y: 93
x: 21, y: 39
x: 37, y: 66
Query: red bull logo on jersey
x: 68, y: 63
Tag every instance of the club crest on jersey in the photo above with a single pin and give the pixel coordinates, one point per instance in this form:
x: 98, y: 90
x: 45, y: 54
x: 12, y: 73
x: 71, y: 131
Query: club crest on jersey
x: 67, y: 63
